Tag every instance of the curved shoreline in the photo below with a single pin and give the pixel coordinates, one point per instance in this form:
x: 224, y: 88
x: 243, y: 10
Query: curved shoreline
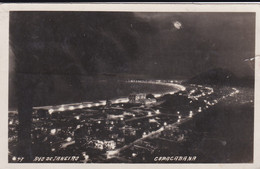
x: 89, y: 104
x: 174, y: 85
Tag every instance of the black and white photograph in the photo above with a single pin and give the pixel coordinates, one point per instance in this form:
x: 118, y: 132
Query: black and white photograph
x: 131, y: 87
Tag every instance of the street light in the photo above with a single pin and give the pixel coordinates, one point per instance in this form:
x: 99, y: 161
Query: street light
x: 51, y: 111
x: 71, y: 108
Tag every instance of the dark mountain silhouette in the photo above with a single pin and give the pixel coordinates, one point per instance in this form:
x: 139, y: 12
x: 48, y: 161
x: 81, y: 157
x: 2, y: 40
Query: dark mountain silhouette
x: 220, y: 76
x: 216, y: 76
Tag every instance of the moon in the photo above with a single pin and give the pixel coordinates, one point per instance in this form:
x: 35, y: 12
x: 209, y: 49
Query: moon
x: 177, y: 24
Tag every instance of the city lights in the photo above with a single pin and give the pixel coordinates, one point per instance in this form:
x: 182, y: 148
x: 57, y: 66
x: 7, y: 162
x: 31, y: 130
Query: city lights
x: 81, y: 106
x: 61, y: 108
x: 53, y: 131
x: 51, y: 111
x: 137, y: 120
x: 134, y: 154
x: 199, y: 110
x: 69, y: 139
x: 71, y: 108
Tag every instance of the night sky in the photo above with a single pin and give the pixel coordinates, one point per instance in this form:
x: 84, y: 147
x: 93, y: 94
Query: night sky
x: 156, y: 45
x: 55, y: 55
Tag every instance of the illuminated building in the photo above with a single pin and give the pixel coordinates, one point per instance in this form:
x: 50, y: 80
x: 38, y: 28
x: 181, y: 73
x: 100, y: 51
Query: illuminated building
x: 136, y: 98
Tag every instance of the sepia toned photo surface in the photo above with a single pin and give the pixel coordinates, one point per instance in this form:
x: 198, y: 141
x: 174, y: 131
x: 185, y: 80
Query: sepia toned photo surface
x: 131, y: 87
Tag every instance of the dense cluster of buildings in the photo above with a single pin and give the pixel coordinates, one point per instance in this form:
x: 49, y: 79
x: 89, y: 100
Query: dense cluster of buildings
x: 113, y: 124
x: 101, y: 127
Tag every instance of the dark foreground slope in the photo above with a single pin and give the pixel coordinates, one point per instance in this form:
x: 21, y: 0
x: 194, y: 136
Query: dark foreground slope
x: 224, y: 133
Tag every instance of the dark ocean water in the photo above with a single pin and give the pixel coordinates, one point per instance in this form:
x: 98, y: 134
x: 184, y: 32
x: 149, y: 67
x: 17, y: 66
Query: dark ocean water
x: 57, y: 89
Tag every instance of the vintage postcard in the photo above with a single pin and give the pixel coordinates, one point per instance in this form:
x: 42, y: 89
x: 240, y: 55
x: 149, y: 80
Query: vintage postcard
x: 130, y: 84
